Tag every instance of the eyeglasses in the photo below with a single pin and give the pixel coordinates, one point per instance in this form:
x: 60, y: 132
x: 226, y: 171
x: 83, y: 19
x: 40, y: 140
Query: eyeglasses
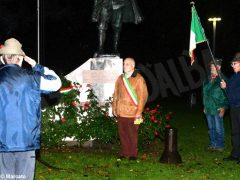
x: 234, y: 63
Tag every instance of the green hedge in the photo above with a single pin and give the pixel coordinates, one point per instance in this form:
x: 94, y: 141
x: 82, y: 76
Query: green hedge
x: 83, y: 121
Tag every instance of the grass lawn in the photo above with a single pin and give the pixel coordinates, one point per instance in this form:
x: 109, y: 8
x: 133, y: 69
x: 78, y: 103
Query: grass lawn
x: 198, y: 163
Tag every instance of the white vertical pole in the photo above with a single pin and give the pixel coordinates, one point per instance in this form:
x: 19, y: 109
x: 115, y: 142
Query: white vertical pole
x: 38, y: 31
x: 214, y: 36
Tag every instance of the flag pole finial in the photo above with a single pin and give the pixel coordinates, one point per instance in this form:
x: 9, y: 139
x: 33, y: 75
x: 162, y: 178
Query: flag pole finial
x: 192, y: 3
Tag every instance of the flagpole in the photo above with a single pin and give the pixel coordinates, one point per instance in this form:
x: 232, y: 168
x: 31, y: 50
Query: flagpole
x: 38, y: 32
x: 214, y: 61
x: 215, y: 64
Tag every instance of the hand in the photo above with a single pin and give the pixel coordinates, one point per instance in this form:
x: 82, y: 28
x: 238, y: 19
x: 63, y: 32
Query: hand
x: 221, y: 112
x: 1, y: 59
x: 223, y: 84
x: 30, y: 61
x: 114, y: 113
x: 138, y: 116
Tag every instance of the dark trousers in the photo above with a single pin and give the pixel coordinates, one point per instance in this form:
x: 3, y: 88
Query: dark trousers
x: 128, y: 133
x: 235, y: 119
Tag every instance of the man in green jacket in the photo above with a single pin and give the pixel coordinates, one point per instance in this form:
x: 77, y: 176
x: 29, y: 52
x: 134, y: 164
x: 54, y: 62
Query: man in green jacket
x: 215, y: 103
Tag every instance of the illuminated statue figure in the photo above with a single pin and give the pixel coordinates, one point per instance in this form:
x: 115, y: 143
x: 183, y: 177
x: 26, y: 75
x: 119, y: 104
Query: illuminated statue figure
x: 115, y: 12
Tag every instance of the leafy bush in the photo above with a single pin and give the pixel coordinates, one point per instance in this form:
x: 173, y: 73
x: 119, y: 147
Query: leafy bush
x: 84, y: 121
x: 73, y: 119
x: 155, y: 121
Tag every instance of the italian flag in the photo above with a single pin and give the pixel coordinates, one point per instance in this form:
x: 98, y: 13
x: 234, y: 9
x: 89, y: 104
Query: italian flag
x: 197, y: 34
x: 65, y: 90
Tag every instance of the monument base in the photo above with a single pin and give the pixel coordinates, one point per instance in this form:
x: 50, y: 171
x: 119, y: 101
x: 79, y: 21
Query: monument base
x: 100, y: 55
x: 100, y: 74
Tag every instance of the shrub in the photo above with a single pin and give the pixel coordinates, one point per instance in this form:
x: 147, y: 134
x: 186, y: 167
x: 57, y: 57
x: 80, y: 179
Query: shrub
x: 71, y: 118
x: 155, y: 121
x: 84, y: 121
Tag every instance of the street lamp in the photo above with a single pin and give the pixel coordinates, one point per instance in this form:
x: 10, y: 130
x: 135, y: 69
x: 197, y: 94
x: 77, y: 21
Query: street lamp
x: 214, y: 21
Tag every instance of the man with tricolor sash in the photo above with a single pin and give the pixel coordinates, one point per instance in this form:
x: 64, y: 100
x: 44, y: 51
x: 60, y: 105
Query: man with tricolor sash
x: 129, y: 98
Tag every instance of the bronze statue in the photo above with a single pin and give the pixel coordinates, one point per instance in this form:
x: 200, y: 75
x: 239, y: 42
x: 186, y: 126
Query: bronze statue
x: 115, y: 12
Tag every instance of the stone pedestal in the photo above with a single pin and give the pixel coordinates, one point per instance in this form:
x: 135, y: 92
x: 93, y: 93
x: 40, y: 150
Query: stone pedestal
x: 100, y: 73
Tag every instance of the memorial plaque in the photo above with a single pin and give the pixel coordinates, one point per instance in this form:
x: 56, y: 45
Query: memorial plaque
x: 101, y: 73
x: 99, y: 76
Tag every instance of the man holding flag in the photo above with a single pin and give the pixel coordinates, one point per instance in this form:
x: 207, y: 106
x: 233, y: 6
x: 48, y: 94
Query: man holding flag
x: 214, y: 99
x: 129, y: 98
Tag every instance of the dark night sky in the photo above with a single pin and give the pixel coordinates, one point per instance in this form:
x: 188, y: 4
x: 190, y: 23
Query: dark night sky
x: 70, y: 38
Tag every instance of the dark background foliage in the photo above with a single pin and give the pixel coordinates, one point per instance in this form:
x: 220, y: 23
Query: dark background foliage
x: 69, y: 38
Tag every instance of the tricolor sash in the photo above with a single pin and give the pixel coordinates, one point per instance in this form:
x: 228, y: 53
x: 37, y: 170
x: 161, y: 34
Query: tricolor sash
x: 131, y: 93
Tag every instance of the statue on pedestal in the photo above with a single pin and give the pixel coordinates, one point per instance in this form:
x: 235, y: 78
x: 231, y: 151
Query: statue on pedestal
x: 115, y: 12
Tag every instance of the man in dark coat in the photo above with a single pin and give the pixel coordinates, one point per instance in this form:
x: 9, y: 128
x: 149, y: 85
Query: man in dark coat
x: 232, y: 88
x: 115, y: 12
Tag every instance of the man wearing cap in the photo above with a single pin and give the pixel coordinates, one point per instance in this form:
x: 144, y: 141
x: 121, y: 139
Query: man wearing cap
x: 20, y: 96
x: 214, y: 102
x: 232, y: 88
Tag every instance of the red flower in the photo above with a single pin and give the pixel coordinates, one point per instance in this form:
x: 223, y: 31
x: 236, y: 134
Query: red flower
x: 168, y: 117
x: 74, y: 104
x: 156, y: 133
x: 158, y: 105
x: 168, y: 126
x: 88, y: 102
x: 147, y: 109
x: 152, y: 118
x: 154, y: 111
x: 85, y: 107
x: 1, y: 46
x: 63, y: 120
x: 155, y: 121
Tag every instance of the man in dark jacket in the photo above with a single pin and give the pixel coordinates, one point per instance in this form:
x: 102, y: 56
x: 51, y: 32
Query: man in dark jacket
x: 116, y: 12
x: 215, y: 103
x: 233, y: 92
x: 20, y: 117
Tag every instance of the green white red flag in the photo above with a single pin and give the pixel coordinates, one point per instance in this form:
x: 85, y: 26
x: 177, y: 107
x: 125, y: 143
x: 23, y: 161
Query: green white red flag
x: 197, y: 34
x: 65, y: 90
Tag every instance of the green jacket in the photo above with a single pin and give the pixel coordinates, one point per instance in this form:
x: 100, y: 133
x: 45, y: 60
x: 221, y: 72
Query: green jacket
x: 213, y: 96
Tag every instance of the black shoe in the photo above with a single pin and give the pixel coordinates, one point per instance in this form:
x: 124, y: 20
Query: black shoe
x: 218, y: 149
x: 210, y: 148
x: 121, y: 157
x: 132, y: 158
x: 230, y: 158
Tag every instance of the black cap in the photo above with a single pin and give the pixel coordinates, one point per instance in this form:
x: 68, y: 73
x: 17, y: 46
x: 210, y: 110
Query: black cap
x: 217, y: 61
x: 236, y: 57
